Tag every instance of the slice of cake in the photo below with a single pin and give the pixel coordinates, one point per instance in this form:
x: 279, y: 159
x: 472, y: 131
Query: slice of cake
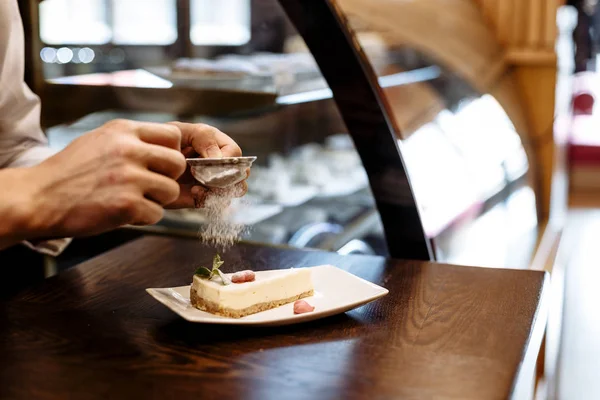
x: 241, y: 294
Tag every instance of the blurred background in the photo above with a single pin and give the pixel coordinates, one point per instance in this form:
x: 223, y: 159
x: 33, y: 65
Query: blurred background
x: 240, y: 65
x: 493, y: 100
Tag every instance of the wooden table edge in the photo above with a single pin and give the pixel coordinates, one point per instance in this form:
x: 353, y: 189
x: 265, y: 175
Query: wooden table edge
x: 534, y: 342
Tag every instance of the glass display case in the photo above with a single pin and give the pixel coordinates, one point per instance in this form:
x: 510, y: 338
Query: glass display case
x: 368, y: 141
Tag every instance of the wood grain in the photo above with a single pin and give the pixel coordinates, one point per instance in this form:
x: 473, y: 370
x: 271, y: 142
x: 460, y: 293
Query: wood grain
x: 523, y: 25
x: 442, y: 332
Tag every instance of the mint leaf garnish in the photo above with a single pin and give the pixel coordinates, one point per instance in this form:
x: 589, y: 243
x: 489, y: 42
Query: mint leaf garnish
x: 206, y: 273
x: 203, y: 272
x: 217, y: 262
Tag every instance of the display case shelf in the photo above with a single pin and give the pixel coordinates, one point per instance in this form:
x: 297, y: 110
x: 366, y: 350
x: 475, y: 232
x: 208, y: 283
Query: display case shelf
x: 432, y: 146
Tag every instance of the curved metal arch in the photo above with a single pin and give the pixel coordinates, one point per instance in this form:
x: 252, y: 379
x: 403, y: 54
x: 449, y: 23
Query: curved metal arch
x: 366, y: 114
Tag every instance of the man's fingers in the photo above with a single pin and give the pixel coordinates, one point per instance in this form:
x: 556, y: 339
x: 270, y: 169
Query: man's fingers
x: 194, y: 196
x: 190, y: 196
x: 147, y: 212
x: 163, y: 160
x: 189, y: 152
x: 156, y: 187
x: 240, y: 189
x: 203, y: 139
x: 167, y: 135
x: 231, y: 149
x: 187, y: 177
x: 207, y: 141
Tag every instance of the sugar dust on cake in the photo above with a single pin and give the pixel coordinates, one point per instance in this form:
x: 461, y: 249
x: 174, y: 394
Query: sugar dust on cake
x: 241, y: 294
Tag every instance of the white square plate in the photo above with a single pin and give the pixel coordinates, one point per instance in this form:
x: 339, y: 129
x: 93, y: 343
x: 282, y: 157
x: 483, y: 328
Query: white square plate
x: 336, y: 291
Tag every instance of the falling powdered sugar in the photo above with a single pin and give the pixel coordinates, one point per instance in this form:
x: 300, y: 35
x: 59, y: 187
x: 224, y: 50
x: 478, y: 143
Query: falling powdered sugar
x: 219, y: 230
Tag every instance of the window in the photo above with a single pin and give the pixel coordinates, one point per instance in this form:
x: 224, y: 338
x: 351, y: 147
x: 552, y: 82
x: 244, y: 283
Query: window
x: 223, y: 22
x: 143, y: 22
x: 74, y: 22
x: 134, y: 22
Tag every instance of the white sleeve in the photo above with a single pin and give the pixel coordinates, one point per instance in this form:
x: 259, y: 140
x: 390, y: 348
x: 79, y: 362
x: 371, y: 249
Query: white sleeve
x: 22, y: 142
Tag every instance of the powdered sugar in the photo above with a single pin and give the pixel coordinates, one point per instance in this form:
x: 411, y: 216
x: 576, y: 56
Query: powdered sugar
x: 219, y: 230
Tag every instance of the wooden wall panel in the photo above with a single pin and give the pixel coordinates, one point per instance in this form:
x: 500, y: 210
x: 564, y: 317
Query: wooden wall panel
x: 452, y: 31
x: 499, y: 46
x: 526, y: 29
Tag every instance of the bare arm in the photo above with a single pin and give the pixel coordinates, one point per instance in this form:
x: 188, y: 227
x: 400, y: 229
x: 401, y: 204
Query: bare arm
x: 121, y: 173
x: 15, y: 206
x: 22, y: 142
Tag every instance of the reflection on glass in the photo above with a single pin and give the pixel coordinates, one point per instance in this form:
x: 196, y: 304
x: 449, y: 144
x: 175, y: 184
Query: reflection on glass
x: 48, y: 55
x: 64, y: 55
x: 74, y: 22
x: 152, y: 22
x: 440, y: 178
x: 223, y: 22
x: 502, y: 237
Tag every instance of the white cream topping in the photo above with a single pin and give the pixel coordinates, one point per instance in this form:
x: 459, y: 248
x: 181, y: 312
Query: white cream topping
x: 268, y: 286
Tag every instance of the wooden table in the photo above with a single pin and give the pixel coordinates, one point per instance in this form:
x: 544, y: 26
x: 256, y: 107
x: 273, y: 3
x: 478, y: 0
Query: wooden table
x: 442, y: 332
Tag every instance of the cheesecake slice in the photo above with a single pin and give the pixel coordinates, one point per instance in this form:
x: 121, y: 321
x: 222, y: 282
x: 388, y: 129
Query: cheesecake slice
x: 268, y: 290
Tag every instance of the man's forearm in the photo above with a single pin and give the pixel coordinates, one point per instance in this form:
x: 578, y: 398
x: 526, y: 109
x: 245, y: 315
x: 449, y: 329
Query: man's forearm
x: 15, y: 206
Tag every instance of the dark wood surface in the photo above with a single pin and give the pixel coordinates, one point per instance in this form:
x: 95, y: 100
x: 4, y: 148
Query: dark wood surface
x: 442, y: 332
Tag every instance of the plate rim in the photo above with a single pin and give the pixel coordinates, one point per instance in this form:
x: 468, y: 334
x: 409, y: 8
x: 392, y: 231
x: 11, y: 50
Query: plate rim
x: 289, y: 320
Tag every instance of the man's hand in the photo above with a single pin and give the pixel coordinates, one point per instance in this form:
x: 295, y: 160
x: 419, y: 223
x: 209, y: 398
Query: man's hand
x: 205, y: 141
x: 121, y: 173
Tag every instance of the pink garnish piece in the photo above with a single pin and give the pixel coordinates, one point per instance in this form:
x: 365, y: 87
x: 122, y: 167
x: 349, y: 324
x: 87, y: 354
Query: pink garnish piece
x: 243, y: 276
x: 301, y: 307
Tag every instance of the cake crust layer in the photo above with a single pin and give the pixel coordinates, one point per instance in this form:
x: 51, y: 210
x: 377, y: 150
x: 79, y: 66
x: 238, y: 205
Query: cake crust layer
x: 214, y: 308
